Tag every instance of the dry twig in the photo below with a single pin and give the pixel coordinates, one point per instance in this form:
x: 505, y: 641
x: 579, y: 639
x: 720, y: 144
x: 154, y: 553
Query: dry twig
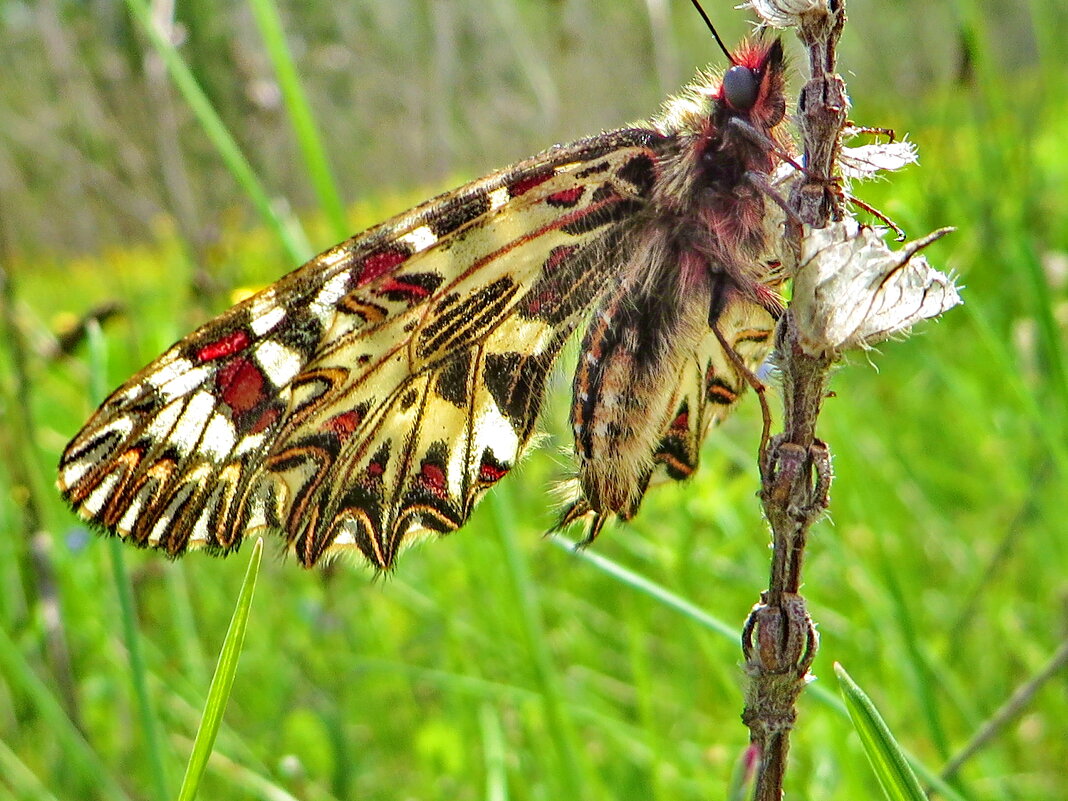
x: 779, y: 640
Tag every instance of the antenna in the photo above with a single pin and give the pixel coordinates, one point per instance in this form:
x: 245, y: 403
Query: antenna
x: 712, y: 28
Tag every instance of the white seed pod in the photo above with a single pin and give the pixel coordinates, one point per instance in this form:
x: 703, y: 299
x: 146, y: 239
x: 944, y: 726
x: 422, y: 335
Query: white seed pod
x: 852, y: 291
x: 786, y: 13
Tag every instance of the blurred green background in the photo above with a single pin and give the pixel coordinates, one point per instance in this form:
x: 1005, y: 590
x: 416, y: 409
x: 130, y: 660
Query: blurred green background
x: 497, y: 665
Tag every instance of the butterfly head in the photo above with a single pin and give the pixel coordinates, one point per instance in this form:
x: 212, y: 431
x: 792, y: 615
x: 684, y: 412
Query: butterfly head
x: 754, y: 85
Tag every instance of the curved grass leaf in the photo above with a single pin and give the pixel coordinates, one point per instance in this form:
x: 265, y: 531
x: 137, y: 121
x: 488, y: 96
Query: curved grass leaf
x: 222, y: 681
x: 885, y: 755
x: 297, y: 106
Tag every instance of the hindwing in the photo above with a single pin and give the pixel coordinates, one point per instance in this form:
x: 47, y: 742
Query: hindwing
x: 711, y: 383
x: 652, y: 380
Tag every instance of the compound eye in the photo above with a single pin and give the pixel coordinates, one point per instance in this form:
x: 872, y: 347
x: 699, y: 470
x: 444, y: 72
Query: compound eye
x: 740, y: 88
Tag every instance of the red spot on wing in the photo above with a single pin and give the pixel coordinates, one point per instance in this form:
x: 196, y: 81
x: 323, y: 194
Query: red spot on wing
x: 345, y: 424
x: 543, y: 300
x: 549, y: 297
x: 240, y: 385
x: 265, y: 420
x: 525, y: 184
x: 375, y: 469
x: 380, y: 263
x: 402, y: 291
x: 682, y: 422
x: 234, y: 342
x: 489, y: 473
x: 566, y: 197
x: 558, y: 255
x: 433, y: 478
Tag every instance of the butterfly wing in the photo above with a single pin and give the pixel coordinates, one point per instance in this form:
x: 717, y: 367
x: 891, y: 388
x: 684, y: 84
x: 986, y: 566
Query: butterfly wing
x: 654, y: 375
x: 378, y: 389
x: 710, y: 384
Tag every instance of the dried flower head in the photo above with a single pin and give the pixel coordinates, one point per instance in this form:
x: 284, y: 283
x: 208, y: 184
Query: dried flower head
x: 852, y: 291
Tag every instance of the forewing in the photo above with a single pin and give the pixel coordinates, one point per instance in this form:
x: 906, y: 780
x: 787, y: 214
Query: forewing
x: 378, y: 389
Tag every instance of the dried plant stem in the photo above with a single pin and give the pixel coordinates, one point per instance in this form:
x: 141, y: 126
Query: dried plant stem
x: 1007, y: 712
x: 779, y: 640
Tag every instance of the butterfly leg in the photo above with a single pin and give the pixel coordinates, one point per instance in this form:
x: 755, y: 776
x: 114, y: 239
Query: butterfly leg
x: 576, y: 511
x: 759, y: 181
x: 758, y: 387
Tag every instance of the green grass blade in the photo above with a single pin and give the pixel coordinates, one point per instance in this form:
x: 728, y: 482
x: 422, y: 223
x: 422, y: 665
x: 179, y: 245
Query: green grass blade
x: 679, y: 604
x: 494, y: 750
x: 194, y: 663
x: 222, y: 681
x: 146, y: 709
x: 19, y: 779
x: 650, y: 588
x: 885, y: 755
x: 77, y: 754
x: 249, y: 783
x: 287, y: 229
x: 661, y: 595
x: 300, y: 115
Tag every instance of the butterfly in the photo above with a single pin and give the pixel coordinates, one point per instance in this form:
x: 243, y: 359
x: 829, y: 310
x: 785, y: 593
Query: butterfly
x: 382, y: 388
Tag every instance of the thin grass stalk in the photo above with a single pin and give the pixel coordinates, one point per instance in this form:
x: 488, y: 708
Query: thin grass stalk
x: 316, y: 161
x: 240, y: 777
x: 1007, y: 712
x: 924, y: 686
x: 887, y: 759
x: 643, y: 680
x: 20, y: 779
x: 194, y: 666
x: 96, y: 124
x: 176, y: 181
x: 695, y: 614
x: 285, y: 226
x: 1048, y: 21
x: 146, y: 709
x: 494, y: 753
x: 185, y: 711
x: 23, y: 468
x: 658, y: 13
x: 1010, y: 152
x: 1000, y: 350
x: 79, y: 757
x: 63, y: 722
x: 222, y: 681
x: 1050, y: 331
x: 444, y: 51
x: 648, y: 587
x: 529, y: 58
